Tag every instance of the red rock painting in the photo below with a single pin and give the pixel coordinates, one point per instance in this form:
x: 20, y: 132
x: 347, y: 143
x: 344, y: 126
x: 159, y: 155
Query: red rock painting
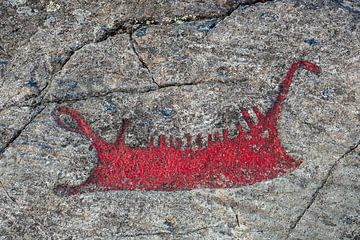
x: 252, y: 156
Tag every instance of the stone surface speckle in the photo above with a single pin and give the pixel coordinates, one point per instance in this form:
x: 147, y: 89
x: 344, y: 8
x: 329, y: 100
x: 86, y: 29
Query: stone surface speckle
x: 177, y: 67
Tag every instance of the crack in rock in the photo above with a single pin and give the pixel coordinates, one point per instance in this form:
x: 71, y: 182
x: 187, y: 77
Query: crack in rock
x: 143, y: 63
x: 231, y: 11
x: 318, y: 189
x: 105, y: 94
x: 168, y: 233
x: 19, y: 131
x: 130, y: 26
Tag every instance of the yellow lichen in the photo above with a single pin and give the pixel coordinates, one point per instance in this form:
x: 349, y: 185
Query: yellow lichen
x: 53, y: 7
x: 111, y: 23
x: 150, y: 21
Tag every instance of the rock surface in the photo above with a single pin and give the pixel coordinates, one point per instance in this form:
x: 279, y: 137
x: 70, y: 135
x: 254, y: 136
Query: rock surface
x: 177, y: 67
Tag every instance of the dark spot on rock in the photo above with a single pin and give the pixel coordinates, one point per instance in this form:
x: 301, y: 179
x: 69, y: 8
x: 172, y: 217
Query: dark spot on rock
x: 3, y: 61
x: 223, y: 71
x: 327, y: 93
x: 219, y: 125
x: 243, y: 7
x: 233, y: 133
x: 352, y: 27
x: 32, y: 83
x: 68, y: 89
x: 328, y: 222
x: 44, y: 146
x: 69, y: 122
x: 353, y: 235
x: 167, y: 112
x: 207, y: 26
x: 180, y: 58
x: 57, y: 60
x: 68, y: 84
x: 110, y: 107
x: 142, y: 31
x: 311, y: 41
x: 353, y: 6
x: 268, y: 16
x: 348, y: 219
x: 15, y: 30
x: 103, y: 26
x: 70, y: 95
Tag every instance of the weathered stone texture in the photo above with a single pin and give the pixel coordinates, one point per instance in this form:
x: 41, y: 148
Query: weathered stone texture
x: 335, y: 213
x: 173, y: 73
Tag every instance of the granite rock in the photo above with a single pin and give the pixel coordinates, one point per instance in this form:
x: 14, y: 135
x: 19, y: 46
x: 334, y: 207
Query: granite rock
x: 335, y: 212
x: 173, y: 73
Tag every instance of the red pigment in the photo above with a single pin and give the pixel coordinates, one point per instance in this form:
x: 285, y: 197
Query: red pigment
x: 252, y: 156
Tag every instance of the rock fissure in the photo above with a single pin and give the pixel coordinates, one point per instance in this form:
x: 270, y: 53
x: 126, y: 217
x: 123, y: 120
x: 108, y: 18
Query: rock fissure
x: 143, y: 63
x: 18, y: 132
x: 104, y: 94
x: 318, y: 189
x: 182, y: 233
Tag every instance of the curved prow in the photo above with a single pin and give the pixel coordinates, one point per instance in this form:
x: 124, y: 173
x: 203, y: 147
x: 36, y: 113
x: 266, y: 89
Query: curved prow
x: 276, y: 108
x: 81, y: 126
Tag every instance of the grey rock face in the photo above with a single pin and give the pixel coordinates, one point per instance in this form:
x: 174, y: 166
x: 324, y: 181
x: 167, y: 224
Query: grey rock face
x: 105, y: 67
x: 335, y: 212
x: 41, y: 37
x: 175, y: 68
